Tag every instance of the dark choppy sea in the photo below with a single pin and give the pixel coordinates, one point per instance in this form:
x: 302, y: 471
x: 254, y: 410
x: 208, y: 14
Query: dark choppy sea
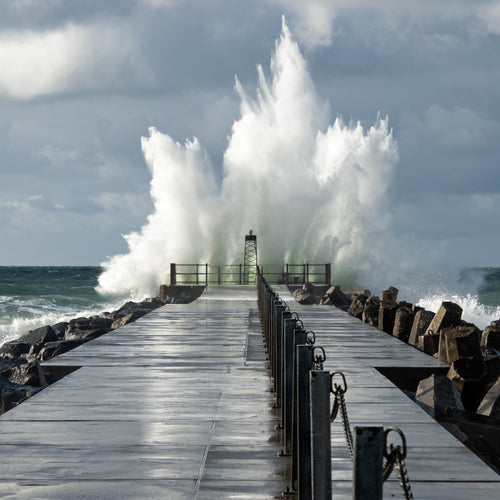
x: 35, y: 296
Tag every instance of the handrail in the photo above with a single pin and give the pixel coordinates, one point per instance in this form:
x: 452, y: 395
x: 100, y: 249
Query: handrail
x: 232, y: 274
x: 302, y: 395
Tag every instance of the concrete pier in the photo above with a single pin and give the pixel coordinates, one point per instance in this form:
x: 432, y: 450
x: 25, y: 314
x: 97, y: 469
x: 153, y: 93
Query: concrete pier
x: 177, y: 406
x: 172, y: 406
x: 439, y: 466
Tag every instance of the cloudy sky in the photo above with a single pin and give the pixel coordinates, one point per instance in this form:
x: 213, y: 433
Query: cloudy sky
x: 82, y: 80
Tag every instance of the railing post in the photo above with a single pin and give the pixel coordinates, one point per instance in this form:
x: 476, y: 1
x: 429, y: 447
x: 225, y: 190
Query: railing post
x: 278, y: 350
x: 218, y: 275
x: 321, y: 455
x: 328, y: 274
x: 288, y: 380
x: 368, y: 457
x: 302, y: 453
x: 173, y: 274
x: 286, y: 331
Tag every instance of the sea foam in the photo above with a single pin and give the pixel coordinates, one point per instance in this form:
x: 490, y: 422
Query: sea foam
x: 312, y: 192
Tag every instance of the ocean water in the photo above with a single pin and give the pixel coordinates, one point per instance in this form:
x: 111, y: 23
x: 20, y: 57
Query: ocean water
x: 35, y: 296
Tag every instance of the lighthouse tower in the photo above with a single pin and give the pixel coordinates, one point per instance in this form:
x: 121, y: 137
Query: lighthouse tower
x: 250, y: 260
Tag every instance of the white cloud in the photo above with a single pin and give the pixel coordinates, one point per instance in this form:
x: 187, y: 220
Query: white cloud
x: 58, y: 156
x: 313, y: 20
x: 489, y: 15
x: 160, y: 4
x: 68, y: 59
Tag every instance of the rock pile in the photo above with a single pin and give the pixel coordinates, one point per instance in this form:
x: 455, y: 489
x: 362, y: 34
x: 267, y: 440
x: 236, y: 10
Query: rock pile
x: 21, y: 375
x: 471, y: 388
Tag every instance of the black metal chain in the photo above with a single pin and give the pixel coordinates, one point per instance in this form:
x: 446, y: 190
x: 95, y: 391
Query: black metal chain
x: 395, y: 459
x: 319, y: 359
x: 310, y: 337
x: 339, y: 403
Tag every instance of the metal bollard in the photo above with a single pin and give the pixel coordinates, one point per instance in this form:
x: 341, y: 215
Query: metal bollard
x: 278, y: 351
x: 286, y: 330
x: 321, y: 455
x: 368, y: 457
x: 302, y: 449
x: 299, y: 337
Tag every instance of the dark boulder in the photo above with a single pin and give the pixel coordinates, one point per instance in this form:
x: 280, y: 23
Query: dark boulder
x: 60, y: 329
x: 52, y: 349
x: 420, y: 324
x: 84, y: 333
x: 78, y: 323
x: 129, y: 318
x: 335, y: 297
x: 448, y: 314
x: 12, y: 394
x: 390, y: 294
x: 6, y: 364
x: 357, y: 306
x: 403, y: 322
x: 459, y: 342
x: 352, y: 294
x: 371, y: 311
x: 151, y: 303
x: 468, y: 376
x: 43, y: 334
x: 490, y: 338
x: 15, y: 349
x: 102, y: 323
x: 387, y: 313
x: 429, y: 343
x: 490, y: 405
x: 303, y: 296
x: 28, y: 374
x: 437, y: 393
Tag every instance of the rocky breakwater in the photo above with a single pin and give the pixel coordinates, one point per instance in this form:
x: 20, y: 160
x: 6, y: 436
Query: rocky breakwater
x: 21, y: 374
x: 465, y: 397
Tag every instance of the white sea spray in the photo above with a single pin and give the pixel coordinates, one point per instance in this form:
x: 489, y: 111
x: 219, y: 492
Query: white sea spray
x: 312, y: 192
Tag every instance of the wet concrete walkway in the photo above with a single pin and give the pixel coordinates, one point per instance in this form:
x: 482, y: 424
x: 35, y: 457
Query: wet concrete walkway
x: 174, y: 405
x: 439, y: 466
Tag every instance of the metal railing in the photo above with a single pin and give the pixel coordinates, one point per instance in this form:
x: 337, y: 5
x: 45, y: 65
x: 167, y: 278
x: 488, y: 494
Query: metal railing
x: 302, y: 390
x: 302, y: 395
x: 288, y: 274
x: 206, y: 274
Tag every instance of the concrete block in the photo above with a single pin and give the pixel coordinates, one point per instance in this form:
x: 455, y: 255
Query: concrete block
x: 420, y: 324
x: 459, y: 342
x: 403, y: 323
x: 490, y: 405
x: 436, y: 393
x: 449, y: 314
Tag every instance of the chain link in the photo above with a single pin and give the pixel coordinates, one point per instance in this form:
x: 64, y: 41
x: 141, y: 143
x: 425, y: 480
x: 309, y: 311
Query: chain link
x: 395, y: 455
x: 339, y: 404
x: 345, y: 421
x: 395, y: 459
x: 319, y: 359
x: 404, y: 480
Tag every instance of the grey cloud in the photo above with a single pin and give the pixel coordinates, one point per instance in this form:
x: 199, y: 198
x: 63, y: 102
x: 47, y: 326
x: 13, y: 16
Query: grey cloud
x: 431, y: 68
